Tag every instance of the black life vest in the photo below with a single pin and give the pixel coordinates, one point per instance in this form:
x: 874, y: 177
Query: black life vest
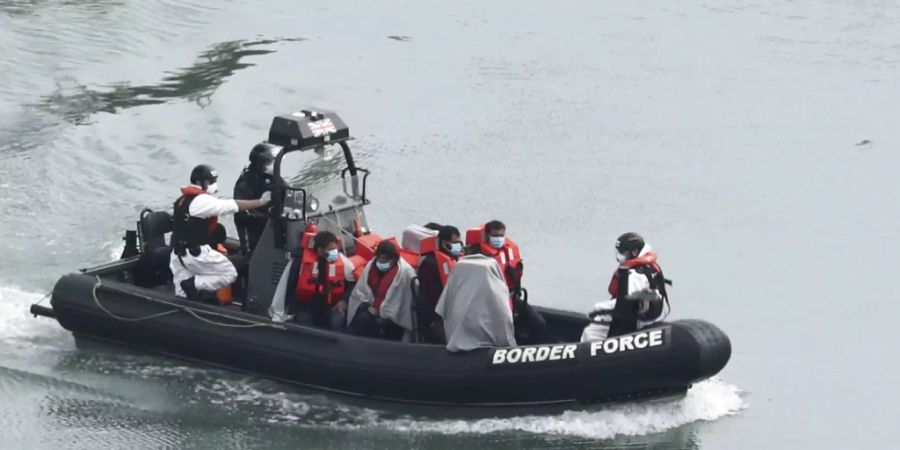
x: 250, y: 185
x: 626, y: 313
x: 189, y: 233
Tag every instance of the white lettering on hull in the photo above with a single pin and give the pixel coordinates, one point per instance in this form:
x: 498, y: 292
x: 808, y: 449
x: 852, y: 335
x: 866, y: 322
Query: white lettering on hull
x: 520, y: 355
x: 500, y: 356
x: 632, y: 342
x: 646, y: 339
x: 542, y: 353
x: 640, y: 341
x: 656, y: 338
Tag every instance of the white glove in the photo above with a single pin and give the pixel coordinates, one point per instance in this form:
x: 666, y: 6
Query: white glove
x: 265, y: 198
x: 605, y: 305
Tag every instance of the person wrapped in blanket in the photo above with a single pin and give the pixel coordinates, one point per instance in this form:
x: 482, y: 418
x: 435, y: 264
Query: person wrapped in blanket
x: 381, y: 303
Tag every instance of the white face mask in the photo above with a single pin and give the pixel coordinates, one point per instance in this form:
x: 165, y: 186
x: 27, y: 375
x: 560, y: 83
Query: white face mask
x: 620, y: 257
x: 212, y: 189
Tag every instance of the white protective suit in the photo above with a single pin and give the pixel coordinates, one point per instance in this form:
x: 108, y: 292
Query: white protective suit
x: 638, y: 290
x: 398, y: 302
x: 211, y: 270
x: 475, y: 306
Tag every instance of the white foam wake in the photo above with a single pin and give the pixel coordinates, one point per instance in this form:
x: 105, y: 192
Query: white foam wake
x: 15, y: 320
x: 706, y: 401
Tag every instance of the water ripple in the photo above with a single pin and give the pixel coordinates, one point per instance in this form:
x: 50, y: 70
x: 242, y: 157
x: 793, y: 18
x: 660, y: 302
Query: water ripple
x: 195, y: 83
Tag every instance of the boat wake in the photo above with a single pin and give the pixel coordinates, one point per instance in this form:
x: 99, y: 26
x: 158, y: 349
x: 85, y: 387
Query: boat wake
x: 16, y: 323
x: 706, y: 401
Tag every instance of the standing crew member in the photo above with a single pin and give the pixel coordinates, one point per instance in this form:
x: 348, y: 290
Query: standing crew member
x: 254, y: 180
x: 195, y: 266
x: 637, y: 291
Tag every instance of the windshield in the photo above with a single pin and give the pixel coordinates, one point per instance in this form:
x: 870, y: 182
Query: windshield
x: 320, y: 176
x: 333, y: 202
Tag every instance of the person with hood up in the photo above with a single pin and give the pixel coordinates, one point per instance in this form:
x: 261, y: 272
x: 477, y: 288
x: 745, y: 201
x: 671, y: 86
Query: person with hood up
x: 381, y: 303
x: 475, y: 306
x: 637, y: 290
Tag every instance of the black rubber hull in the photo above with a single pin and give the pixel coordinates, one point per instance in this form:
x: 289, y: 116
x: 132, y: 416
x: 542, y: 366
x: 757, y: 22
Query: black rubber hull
x: 666, y: 362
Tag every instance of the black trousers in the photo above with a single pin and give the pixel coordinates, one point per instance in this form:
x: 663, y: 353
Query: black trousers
x: 365, y: 324
x: 531, y: 328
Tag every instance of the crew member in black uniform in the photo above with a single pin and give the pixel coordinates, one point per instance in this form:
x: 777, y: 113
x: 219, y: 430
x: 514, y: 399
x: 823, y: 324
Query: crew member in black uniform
x: 254, y: 180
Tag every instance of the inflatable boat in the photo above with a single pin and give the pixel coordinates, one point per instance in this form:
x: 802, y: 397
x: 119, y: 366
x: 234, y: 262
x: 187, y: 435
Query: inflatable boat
x: 131, y: 302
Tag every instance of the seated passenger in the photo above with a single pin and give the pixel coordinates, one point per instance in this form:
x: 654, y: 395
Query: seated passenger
x: 490, y: 240
x: 637, y: 291
x: 381, y: 304
x: 434, y: 269
x: 475, y: 306
x: 324, y: 283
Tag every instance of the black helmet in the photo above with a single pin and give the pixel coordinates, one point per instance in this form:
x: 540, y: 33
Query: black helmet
x: 262, y: 154
x: 628, y: 242
x: 204, y: 175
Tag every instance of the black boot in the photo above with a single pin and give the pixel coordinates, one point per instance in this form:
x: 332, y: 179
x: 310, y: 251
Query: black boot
x: 190, y: 291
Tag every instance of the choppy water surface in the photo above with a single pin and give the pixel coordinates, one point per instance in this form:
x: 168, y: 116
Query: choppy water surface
x: 754, y: 145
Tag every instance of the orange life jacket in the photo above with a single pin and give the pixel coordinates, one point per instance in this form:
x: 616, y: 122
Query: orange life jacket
x: 308, y: 286
x: 445, y: 262
x: 411, y: 257
x: 365, y: 252
x: 508, y: 256
x: 648, y: 259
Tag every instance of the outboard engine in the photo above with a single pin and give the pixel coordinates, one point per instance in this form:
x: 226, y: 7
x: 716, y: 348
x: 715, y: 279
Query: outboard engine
x: 153, y: 265
x: 131, y: 248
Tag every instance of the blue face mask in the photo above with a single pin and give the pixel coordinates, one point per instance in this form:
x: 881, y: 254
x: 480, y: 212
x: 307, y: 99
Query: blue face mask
x: 383, y: 266
x: 455, y: 248
x: 497, y: 241
x: 332, y: 255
